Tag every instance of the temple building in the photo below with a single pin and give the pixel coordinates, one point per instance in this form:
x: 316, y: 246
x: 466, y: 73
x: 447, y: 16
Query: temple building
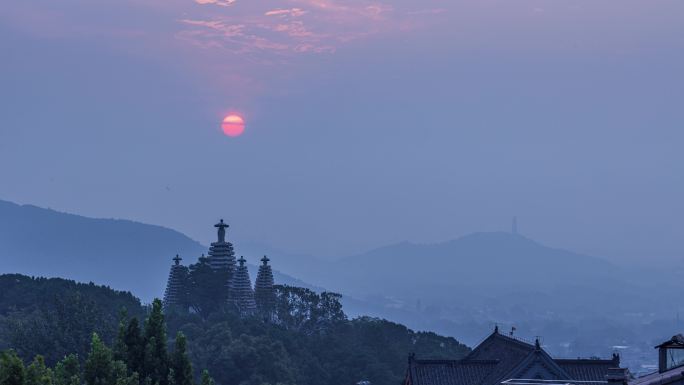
x: 176, y: 286
x: 235, y: 281
x: 241, y: 293
x: 264, y: 293
x: 506, y: 360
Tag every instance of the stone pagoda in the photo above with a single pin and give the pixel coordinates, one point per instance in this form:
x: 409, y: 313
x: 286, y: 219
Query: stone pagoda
x: 241, y: 293
x: 264, y: 293
x: 229, y: 284
x: 176, y: 286
x: 221, y: 254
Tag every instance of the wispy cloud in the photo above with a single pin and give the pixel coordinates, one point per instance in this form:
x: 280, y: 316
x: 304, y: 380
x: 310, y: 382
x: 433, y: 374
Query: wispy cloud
x: 292, y: 12
x: 222, y: 3
x: 230, y: 41
x: 293, y: 26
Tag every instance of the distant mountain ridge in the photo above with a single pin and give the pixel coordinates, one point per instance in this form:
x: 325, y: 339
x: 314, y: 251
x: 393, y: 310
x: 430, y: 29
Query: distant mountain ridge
x: 123, y: 254
x: 493, y: 259
x: 497, y: 258
x: 464, y: 286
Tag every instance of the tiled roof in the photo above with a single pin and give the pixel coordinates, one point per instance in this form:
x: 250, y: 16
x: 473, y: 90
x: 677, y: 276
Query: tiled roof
x: 587, y: 369
x: 445, y: 372
x: 508, y: 351
x: 499, y: 358
x: 657, y: 378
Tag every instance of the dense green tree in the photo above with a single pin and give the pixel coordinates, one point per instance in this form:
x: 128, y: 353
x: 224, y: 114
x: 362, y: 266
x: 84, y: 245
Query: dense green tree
x: 12, y: 371
x: 37, y: 373
x: 309, y: 342
x: 55, y: 317
x: 99, y: 366
x: 330, y: 307
x: 207, y: 288
x: 67, y: 371
x: 120, y: 348
x: 155, y: 360
x: 256, y: 360
x: 181, y: 368
x: 135, y: 346
x: 294, y: 306
x: 206, y: 378
x: 304, y: 310
x: 133, y: 379
x: 121, y: 376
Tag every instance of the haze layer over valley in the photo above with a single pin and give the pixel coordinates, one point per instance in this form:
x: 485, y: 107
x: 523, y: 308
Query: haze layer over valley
x: 578, y: 304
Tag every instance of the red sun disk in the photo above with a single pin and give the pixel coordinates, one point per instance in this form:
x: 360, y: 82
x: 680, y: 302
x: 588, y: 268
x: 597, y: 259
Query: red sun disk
x: 233, y: 125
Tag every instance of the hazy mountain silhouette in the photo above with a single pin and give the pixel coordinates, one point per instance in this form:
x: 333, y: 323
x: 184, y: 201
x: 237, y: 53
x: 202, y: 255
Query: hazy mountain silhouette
x: 492, y: 259
x: 123, y: 254
x: 512, y: 276
x: 583, y: 305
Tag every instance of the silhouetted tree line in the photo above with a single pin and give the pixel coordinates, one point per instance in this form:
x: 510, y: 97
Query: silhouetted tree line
x: 309, y: 341
x: 138, y: 357
x: 56, y: 317
x: 206, y: 289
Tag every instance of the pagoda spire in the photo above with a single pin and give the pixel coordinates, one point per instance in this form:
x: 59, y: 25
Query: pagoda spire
x: 176, y: 287
x: 221, y: 253
x: 241, y: 293
x: 264, y: 292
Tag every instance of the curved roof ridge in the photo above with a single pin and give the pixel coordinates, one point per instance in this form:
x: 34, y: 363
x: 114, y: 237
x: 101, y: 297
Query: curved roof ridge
x: 519, y: 340
x: 438, y: 361
x: 585, y: 360
x: 492, y: 338
x: 543, y: 356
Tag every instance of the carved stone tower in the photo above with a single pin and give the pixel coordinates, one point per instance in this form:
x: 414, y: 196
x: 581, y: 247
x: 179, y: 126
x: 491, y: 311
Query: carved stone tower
x: 241, y: 293
x: 176, y: 286
x: 264, y: 293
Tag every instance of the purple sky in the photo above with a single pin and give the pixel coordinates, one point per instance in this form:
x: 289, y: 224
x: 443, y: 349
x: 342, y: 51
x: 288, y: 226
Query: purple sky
x: 368, y: 122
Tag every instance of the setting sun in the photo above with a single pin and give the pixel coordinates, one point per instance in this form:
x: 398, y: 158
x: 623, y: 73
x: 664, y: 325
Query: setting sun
x: 233, y: 125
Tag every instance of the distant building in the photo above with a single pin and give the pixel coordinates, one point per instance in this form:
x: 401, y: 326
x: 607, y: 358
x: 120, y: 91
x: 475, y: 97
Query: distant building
x: 176, y: 286
x: 237, y: 286
x: 264, y: 293
x: 670, y: 364
x: 506, y: 360
x: 241, y: 293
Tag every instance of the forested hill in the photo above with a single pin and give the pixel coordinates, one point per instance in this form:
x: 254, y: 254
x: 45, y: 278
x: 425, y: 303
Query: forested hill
x: 54, y: 316
x: 307, y: 345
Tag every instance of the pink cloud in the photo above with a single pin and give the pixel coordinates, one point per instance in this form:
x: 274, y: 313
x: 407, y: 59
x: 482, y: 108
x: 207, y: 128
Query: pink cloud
x: 292, y: 12
x: 429, y: 11
x: 295, y: 27
x: 227, y: 30
x: 223, y: 3
x: 230, y: 42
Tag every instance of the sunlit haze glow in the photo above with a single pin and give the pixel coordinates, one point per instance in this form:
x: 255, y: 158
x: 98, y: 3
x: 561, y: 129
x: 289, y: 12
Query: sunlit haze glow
x: 370, y: 122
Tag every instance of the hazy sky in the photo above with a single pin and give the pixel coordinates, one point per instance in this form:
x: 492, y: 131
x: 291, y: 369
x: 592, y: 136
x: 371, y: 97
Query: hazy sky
x: 368, y: 122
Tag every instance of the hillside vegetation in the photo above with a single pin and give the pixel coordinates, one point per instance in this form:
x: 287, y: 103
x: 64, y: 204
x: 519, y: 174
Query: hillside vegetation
x: 313, y: 342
